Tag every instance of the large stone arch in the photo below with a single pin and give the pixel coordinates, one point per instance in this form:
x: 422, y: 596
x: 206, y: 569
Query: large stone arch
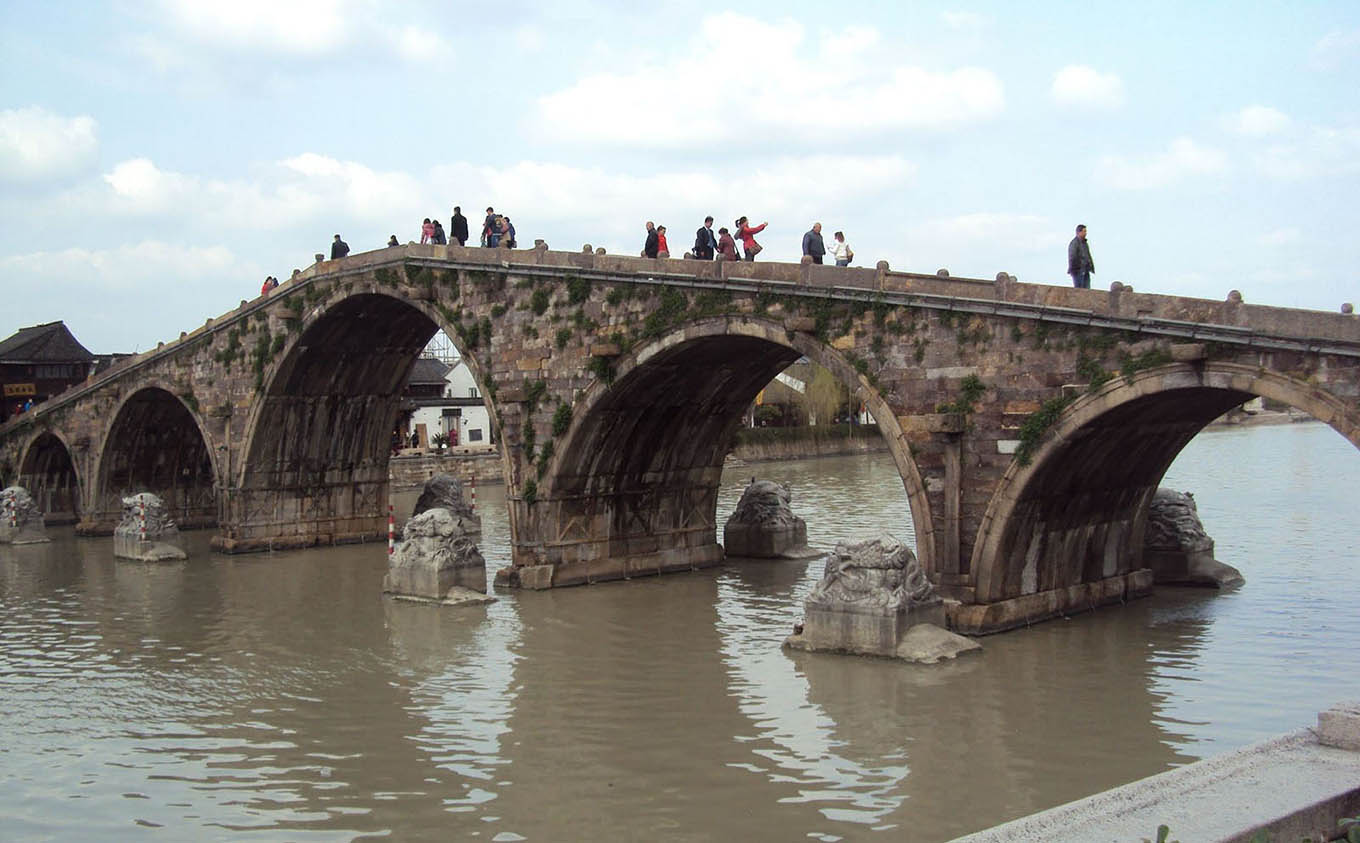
x: 313, y: 466
x: 633, y: 488
x: 47, y: 469
x: 154, y: 442
x: 1074, y: 516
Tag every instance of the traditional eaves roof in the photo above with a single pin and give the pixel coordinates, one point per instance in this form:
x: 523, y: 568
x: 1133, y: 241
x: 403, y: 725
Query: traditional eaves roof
x: 426, y: 371
x: 48, y: 343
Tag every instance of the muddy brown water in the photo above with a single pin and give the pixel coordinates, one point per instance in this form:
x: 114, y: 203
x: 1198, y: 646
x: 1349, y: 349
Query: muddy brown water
x: 280, y: 697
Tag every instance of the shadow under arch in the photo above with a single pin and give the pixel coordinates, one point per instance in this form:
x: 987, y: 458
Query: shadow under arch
x: 1075, y: 514
x: 314, y: 460
x: 48, y: 471
x: 155, y: 443
x: 633, y: 490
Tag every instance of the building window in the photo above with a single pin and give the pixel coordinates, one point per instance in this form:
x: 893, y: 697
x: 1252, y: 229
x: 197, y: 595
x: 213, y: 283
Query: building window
x: 472, y: 392
x: 475, y: 434
x: 54, y: 372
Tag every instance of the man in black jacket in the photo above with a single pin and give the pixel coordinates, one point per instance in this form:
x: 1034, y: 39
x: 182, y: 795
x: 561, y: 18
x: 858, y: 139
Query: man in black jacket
x: 1079, y: 263
x: 705, y: 244
x: 813, y: 244
x: 653, y: 244
x: 339, y: 248
x: 458, y: 226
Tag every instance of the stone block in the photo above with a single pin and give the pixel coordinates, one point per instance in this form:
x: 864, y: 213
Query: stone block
x: 801, y: 324
x: 1021, y: 408
x: 1339, y: 726
x: 146, y: 532
x: 844, y: 343
x: 435, y: 555
x: 763, y: 524
x: 933, y: 423
x: 605, y: 349
x: 1187, y: 352
x: 536, y: 577
x: 21, y: 522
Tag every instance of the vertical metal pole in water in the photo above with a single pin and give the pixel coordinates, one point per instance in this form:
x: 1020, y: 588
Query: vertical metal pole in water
x: 141, y: 519
x: 391, y: 532
x: 474, y: 494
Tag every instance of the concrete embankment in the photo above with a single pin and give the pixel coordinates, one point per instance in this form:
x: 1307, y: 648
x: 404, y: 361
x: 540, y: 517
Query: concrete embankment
x: 412, y: 467
x: 770, y: 444
x: 1287, y: 789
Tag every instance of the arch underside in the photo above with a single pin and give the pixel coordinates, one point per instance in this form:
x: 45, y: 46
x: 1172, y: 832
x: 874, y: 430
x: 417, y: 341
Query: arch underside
x: 154, y: 445
x: 317, y: 457
x: 49, y: 475
x: 636, y: 493
x: 1080, y: 517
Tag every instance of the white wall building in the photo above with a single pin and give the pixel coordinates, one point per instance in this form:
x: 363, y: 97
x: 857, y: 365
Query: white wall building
x: 442, y: 399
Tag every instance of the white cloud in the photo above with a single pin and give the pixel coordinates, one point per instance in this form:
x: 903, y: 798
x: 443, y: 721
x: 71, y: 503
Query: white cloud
x: 826, y: 90
x: 1259, y: 120
x: 964, y: 20
x: 36, y: 144
x: 1183, y: 158
x: 416, y: 44
x: 1322, y: 151
x: 304, y: 27
x: 101, y: 294
x: 1335, y: 49
x: 1281, y: 237
x: 998, y: 232
x: 122, y: 268
x: 529, y: 39
x: 1080, y: 85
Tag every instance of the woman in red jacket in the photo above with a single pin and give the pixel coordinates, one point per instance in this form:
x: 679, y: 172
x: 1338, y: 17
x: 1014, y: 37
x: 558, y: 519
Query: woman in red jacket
x: 748, y: 237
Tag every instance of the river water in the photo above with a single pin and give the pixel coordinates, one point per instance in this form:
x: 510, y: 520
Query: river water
x: 280, y: 697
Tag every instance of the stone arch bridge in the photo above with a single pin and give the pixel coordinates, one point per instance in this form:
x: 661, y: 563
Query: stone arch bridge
x: 1031, y: 424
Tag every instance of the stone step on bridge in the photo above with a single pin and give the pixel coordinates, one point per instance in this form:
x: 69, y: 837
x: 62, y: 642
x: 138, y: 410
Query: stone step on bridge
x: 1030, y: 423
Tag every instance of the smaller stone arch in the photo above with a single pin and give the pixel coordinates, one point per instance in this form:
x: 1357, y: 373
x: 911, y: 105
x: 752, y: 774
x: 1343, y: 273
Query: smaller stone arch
x: 1075, y: 514
x: 155, y: 442
x: 620, y: 480
x: 48, y: 470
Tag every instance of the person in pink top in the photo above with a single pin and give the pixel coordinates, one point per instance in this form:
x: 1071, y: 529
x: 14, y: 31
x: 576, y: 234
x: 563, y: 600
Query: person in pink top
x: 748, y: 237
x: 427, y: 231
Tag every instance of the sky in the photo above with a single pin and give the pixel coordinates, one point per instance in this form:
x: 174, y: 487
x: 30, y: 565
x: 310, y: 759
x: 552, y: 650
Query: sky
x: 158, y: 159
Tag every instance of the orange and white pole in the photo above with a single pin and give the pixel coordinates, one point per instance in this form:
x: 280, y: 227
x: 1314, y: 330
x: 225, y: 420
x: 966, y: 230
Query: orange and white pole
x: 141, y: 519
x: 474, y: 493
x: 391, y: 532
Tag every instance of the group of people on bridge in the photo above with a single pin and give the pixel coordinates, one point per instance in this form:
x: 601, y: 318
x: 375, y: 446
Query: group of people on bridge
x: 497, y: 230
x: 722, y: 245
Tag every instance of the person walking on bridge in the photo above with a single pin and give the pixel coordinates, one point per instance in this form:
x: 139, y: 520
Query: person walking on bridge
x: 339, y: 248
x: 439, y: 238
x: 458, y: 229
x: 747, y: 234
x: 652, y: 244
x: 727, y: 247
x: 426, y: 232
x: 491, y: 231
x: 813, y: 245
x: 705, y: 244
x: 841, y: 249
x: 1079, y: 263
